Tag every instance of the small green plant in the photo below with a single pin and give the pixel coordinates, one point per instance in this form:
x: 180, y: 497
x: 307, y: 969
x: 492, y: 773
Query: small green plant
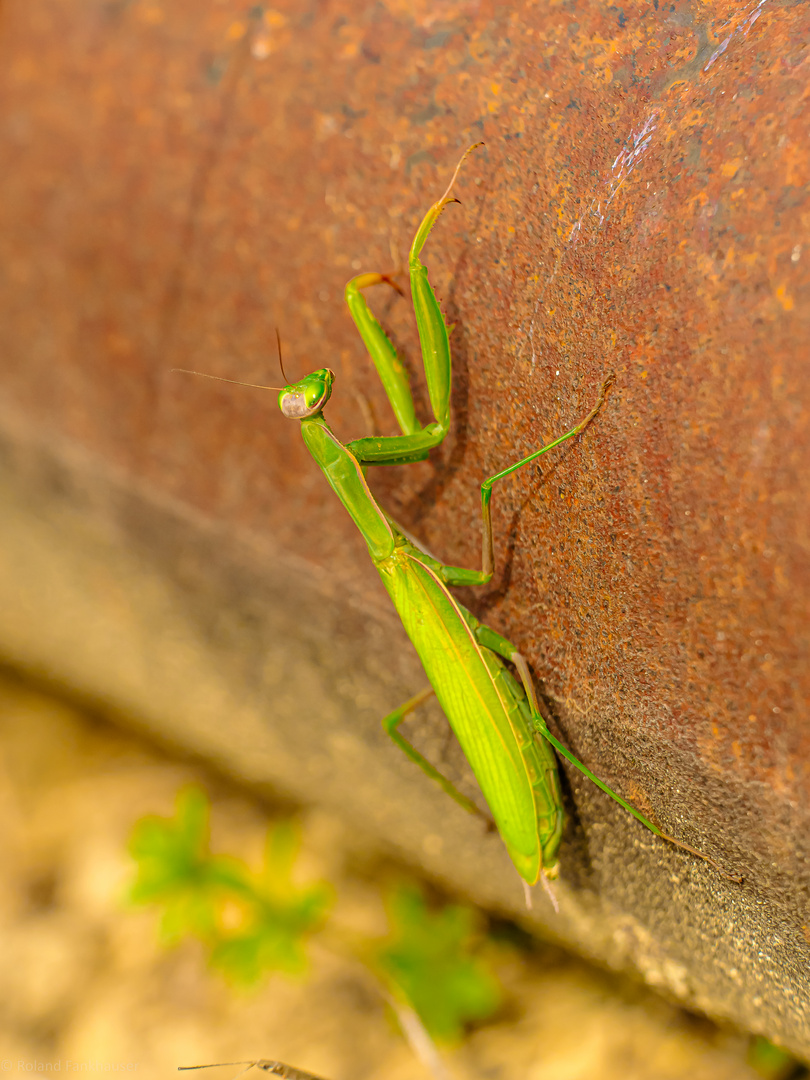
x: 256, y: 923
x: 176, y: 869
x: 433, y: 959
x: 772, y: 1062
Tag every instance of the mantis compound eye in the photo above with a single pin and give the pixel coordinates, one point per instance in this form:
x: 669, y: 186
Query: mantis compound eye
x: 308, y: 397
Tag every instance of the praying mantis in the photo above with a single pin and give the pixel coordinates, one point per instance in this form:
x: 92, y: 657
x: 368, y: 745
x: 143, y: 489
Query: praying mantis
x: 272, y: 1068
x: 495, y: 716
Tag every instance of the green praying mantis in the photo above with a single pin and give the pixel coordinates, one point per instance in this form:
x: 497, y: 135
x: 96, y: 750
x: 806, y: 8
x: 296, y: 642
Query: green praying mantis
x: 495, y: 716
x: 272, y: 1068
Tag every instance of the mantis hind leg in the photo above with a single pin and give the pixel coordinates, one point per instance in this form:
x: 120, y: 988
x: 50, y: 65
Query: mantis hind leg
x: 507, y: 650
x: 391, y: 724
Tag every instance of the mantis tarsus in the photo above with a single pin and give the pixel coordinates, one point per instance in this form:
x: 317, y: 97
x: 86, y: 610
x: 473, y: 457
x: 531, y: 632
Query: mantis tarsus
x: 495, y: 717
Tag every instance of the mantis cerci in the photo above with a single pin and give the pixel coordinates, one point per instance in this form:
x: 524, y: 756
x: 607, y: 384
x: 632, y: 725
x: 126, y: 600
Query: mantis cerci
x: 495, y: 717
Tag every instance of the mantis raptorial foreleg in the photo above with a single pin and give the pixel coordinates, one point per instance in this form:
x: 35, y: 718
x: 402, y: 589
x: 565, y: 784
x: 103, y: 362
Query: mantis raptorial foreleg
x: 416, y: 441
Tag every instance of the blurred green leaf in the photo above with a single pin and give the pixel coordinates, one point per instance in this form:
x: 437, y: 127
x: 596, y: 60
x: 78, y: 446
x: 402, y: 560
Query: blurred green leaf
x: 252, y: 923
x: 432, y: 959
x: 176, y: 869
x: 772, y: 1061
x: 282, y: 917
x: 257, y: 922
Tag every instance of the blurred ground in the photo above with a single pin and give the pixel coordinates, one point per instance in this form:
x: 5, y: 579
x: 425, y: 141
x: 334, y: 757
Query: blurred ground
x: 85, y: 986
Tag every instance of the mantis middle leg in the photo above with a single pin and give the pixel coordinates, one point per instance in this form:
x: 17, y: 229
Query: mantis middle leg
x: 391, y: 724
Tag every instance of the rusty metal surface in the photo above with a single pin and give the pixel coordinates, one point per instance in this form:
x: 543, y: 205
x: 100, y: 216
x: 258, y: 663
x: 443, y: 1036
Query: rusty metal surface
x: 185, y: 177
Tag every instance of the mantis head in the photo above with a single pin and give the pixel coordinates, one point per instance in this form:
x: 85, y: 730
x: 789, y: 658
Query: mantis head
x: 307, y: 397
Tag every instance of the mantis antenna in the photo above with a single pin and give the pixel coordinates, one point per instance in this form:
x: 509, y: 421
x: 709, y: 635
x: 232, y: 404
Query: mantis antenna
x: 236, y: 382
x: 280, y: 362
x: 254, y: 386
